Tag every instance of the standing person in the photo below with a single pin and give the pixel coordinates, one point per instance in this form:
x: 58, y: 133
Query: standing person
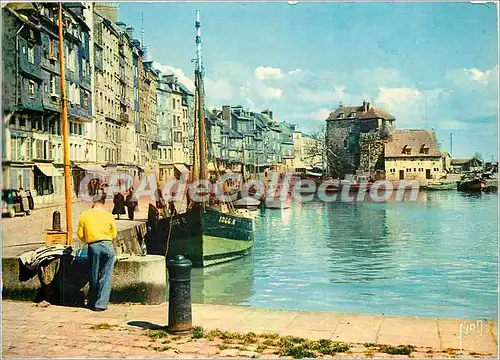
x: 160, y: 202
x: 119, y: 205
x: 97, y: 228
x: 131, y: 203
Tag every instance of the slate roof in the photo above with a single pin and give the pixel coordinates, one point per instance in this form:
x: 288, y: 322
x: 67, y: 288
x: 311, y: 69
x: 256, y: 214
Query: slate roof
x: 372, y: 113
x: 460, y: 162
x: 413, y: 139
x: 185, y: 89
x: 233, y: 134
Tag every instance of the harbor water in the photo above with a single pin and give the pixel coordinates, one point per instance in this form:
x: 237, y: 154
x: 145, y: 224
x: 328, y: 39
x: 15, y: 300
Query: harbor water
x: 436, y: 257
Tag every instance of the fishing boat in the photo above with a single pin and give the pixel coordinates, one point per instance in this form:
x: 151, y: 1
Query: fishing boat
x: 204, y: 234
x: 441, y: 185
x: 274, y: 199
x: 471, y: 185
x: 246, y: 203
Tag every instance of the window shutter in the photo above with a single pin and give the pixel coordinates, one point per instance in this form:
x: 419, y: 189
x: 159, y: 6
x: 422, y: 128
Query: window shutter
x: 49, y: 150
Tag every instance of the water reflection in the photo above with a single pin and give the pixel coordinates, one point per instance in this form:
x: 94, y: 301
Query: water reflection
x: 437, y: 256
x: 229, y: 283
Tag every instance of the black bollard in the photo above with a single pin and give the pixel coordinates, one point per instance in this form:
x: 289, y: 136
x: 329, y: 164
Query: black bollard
x: 179, y: 297
x: 56, y: 221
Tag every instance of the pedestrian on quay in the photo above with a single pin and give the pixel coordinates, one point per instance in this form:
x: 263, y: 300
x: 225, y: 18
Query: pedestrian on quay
x: 160, y: 203
x: 97, y: 228
x: 119, y: 205
x: 131, y: 203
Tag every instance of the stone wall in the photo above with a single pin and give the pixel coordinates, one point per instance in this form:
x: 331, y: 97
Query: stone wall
x: 342, y: 138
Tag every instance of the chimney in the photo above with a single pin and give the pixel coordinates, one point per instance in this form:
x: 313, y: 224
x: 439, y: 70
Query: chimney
x: 226, y: 115
x: 367, y: 106
x: 268, y: 113
x: 170, y: 78
x: 129, y: 31
x: 364, y: 106
x: 108, y: 9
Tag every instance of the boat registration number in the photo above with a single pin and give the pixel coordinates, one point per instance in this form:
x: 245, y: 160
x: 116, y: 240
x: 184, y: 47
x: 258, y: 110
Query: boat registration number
x: 226, y: 220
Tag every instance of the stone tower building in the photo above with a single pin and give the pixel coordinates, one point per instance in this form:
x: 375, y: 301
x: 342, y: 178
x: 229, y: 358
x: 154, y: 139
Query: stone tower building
x: 354, y: 139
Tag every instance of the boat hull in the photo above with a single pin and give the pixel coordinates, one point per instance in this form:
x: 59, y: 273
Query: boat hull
x: 475, y: 185
x: 442, y: 186
x: 277, y: 203
x: 204, y: 236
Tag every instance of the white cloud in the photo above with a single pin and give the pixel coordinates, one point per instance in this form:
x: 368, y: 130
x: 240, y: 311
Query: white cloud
x: 219, y: 89
x: 294, y: 72
x: 407, y: 105
x: 321, y: 114
x: 270, y: 92
x: 167, y: 69
x: 474, y: 77
x: 268, y: 72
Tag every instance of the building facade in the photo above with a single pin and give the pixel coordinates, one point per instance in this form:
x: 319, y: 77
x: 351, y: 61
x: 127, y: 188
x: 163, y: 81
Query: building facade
x: 413, y: 155
x: 32, y: 143
x: 354, y: 139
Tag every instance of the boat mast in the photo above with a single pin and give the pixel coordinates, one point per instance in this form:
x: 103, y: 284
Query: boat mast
x: 200, y: 103
x: 64, y: 122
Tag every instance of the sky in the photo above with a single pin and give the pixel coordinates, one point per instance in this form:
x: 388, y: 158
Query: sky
x: 431, y: 65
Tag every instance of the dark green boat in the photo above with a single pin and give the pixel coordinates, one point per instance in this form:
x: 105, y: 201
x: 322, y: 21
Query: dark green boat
x: 202, y: 234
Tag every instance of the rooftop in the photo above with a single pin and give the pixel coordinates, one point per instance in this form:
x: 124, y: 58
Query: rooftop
x: 363, y: 112
x: 412, y: 143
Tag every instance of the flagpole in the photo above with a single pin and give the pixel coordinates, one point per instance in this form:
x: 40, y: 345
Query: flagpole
x: 64, y: 122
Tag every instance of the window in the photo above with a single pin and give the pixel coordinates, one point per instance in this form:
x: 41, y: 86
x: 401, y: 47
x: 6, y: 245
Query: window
x: 414, y: 170
x: 173, y: 103
x: 85, y: 99
x: 406, y: 150
x: 53, y: 90
x: 424, y: 149
x: 408, y: 170
x: 32, y: 88
x: 341, y: 115
x: 52, y: 50
x: 31, y: 53
x: 84, y: 68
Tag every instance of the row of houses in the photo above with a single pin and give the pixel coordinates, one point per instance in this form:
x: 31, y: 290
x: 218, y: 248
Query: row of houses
x: 123, y: 114
x: 239, y: 136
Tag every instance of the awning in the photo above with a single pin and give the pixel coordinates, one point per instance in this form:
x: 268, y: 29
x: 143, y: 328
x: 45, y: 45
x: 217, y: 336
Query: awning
x: 181, y: 168
x: 93, y: 168
x: 48, y: 169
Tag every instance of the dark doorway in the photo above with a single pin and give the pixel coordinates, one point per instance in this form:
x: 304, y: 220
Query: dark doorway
x: 401, y: 174
x: 427, y: 173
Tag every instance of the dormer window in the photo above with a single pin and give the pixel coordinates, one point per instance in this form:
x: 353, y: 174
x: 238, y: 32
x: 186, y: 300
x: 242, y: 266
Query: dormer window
x: 341, y: 115
x: 353, y: 114
x: 407, y: 150
x: 424, y: 149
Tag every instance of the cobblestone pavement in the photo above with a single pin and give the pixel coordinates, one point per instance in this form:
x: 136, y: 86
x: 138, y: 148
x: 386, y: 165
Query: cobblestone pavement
x: 31, y: 331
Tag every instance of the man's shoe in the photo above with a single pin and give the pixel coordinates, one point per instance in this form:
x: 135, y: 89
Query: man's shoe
x: 97, y: 309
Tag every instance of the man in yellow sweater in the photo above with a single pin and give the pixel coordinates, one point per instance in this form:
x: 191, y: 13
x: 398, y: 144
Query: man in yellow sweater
x: 97, y: 228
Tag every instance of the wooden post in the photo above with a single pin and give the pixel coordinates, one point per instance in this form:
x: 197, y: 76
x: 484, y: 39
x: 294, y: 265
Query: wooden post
x: 64, y: 121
